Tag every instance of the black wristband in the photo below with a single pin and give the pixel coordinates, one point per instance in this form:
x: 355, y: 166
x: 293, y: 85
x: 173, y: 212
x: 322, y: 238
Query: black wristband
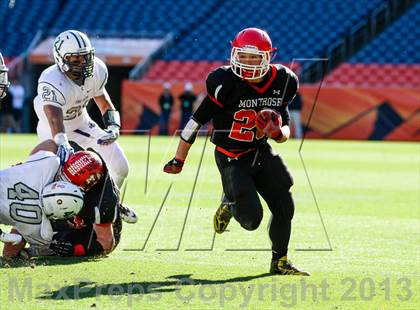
x: 111, y: 117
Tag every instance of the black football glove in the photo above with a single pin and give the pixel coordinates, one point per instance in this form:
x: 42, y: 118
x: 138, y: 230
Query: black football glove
x: 174, y: 166
x: 62, y: 248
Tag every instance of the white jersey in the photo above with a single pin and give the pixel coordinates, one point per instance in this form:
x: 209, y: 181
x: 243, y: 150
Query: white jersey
x: 56, y: 89
x: 20, y: 192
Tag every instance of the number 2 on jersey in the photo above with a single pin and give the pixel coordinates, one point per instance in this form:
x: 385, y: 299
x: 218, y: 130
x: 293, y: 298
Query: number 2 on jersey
x: 48, y: 94
x: 244, y: 122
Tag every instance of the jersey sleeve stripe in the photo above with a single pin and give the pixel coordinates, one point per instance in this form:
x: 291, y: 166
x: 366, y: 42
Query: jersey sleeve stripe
x: 215, y: 101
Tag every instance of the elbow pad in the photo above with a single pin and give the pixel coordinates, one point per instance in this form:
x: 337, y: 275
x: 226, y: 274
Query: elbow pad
x: 189, y: 133
x: 111, y: 117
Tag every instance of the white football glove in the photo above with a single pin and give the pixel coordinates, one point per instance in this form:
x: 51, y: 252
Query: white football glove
x: 10, y: 237
x: 111, y: 134
x: 64, y: 148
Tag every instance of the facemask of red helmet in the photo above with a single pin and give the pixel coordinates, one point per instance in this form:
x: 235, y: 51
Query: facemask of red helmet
x: 84, y: 169
x: 251, y: 54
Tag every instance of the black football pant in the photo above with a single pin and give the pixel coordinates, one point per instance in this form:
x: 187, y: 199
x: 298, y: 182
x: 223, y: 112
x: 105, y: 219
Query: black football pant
x: 263, y: 172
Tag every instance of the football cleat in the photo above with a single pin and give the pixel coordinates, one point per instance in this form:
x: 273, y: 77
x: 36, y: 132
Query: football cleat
x: 283, y: 266
x: 127, y: 214
x: 222, y: 217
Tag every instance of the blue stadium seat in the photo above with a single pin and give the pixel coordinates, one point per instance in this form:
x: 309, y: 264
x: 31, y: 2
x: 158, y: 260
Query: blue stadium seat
x: 204, y: 28
x: 398, y: 44
x: 288, y: 23
x: 22, y: 23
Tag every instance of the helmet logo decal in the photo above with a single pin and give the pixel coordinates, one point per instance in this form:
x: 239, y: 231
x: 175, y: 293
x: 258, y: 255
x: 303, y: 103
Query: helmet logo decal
x: 78, y: 165
x: 58, y: 44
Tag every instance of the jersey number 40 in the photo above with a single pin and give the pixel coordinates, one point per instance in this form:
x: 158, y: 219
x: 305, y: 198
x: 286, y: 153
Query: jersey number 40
x: 24, y: 212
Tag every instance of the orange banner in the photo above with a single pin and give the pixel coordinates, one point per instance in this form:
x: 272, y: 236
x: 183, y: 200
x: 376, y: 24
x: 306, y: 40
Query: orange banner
x: 337, y: 112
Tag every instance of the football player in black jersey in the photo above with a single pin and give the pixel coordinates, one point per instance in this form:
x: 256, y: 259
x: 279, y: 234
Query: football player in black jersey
x: 247, y: 103
x: 97, y: 227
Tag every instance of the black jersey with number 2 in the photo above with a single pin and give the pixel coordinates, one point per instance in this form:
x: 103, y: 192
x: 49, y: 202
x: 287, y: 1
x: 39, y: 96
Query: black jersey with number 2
x: 233, y: 103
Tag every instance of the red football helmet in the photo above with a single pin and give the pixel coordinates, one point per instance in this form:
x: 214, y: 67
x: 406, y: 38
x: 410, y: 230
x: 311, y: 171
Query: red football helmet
x: 84, y: 169
x: 255, y: 45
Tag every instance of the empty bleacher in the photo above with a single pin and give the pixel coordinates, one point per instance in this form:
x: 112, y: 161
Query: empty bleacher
x: 21, y: 20
x: 203, y: 30
x: 391, y: 59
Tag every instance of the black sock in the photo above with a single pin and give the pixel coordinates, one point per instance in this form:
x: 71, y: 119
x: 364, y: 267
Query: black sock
x: 278, y: 254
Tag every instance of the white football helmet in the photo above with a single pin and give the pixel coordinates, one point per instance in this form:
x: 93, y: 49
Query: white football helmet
x: 4, y: 82
x: 61, y: 200
x: 74, y: 43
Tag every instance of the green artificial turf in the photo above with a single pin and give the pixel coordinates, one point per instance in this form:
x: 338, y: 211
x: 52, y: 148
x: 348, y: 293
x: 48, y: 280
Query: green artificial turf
x: 359, y: 238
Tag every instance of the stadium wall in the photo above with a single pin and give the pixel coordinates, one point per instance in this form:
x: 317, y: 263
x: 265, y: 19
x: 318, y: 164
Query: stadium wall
x: 360, y: 113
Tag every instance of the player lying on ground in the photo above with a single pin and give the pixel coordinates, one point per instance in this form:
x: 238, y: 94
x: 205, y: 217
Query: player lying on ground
x: 21, y: 185
x: 237, y: 100
x: 30, y: 199
x: 96, y: 229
